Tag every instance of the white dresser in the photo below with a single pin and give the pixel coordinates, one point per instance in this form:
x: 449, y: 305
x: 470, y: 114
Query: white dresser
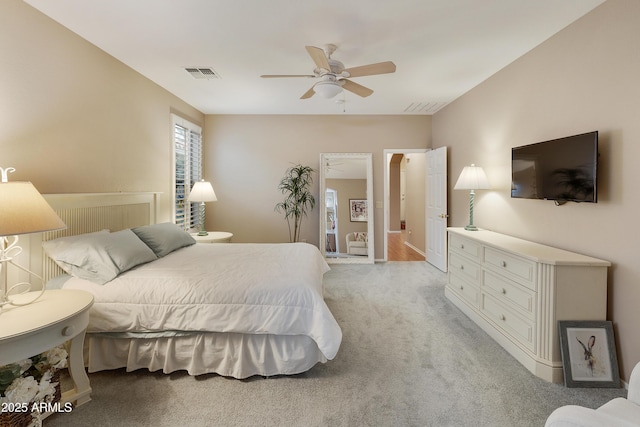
x: 517, y: 291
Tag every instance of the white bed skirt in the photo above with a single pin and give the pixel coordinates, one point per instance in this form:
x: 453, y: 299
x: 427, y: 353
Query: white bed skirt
x: 227, y: 354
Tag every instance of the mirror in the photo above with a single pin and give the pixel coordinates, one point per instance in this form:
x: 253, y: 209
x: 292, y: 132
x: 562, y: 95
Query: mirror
x: 346, y: 208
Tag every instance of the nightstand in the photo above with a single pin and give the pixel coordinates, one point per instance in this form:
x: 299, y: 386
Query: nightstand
x: 58, y: 316
x: 214, y: 237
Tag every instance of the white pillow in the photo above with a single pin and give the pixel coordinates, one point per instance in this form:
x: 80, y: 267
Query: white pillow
x: 99, y: 257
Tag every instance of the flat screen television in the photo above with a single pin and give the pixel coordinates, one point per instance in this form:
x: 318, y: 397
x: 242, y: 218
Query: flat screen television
x: 563, y: 169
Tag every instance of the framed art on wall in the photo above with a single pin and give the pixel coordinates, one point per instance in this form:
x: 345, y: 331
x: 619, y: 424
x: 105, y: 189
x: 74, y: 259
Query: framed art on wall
x: 358, y: 210
x: 589, y: 357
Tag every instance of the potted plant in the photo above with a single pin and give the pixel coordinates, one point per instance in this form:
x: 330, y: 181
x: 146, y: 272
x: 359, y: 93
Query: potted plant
x: 298, y: 199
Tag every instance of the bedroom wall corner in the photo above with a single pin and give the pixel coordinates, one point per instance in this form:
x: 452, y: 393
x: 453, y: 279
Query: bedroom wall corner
x: 74, y: 118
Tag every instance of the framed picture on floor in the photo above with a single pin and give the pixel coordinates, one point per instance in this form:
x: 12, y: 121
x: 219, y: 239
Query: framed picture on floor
x: 589, y: 357
x: 358, y: 210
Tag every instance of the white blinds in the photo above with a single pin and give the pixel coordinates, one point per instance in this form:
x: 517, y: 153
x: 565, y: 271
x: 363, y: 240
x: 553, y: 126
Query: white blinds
x: 188, y: 170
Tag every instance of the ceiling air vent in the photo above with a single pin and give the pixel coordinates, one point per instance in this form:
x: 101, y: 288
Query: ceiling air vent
x: 424, y: 107
x: 202, y: 73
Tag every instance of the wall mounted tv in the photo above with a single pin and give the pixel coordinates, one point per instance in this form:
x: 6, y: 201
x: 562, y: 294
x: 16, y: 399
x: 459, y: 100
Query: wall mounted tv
x: 563, y: 169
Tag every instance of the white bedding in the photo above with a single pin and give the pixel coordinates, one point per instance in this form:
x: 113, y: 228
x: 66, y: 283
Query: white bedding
x: 238, y: 288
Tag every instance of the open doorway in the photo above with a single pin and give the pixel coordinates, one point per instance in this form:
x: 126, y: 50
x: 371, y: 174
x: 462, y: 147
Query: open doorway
x: 404, y: 213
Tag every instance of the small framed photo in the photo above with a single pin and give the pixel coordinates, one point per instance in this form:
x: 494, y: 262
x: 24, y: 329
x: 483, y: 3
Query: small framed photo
x: 358, y: 210
x: 589, y: 357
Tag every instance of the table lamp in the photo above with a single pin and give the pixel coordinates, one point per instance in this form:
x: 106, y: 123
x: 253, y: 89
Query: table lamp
x: 472, y: 178
x: 23, y: 210
x: 202, y: 192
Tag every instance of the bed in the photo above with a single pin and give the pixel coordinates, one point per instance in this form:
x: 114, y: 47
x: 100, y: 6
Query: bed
x: 163, y: 302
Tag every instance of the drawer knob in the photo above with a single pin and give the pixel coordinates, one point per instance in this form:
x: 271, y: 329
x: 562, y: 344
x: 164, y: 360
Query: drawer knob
x: 68, y: 331
x: 504, y: 263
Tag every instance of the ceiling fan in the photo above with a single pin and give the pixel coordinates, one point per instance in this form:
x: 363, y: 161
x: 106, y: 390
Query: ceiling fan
x: 331, y: 166
x: 334, y: 77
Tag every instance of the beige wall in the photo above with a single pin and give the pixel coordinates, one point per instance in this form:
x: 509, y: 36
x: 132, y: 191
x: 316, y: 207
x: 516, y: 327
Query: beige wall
x: 75, y: 119
x: 395, y: 192
x: 246, y: 156
x: 585, y: 78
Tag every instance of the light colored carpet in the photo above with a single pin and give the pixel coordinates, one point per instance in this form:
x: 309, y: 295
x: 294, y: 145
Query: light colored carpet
x: 408, y: 358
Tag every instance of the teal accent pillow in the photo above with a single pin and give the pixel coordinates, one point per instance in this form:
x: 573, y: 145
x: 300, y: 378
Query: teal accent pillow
x: 164, y: 238
x: 99, y: 257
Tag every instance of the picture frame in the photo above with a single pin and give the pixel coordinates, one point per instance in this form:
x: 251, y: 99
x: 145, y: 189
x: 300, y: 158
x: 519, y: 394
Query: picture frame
x: 589, y: 357
x: 358, y: 211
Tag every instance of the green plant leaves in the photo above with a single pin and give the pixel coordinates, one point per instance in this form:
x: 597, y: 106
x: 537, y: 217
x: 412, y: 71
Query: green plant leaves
x: 298, y: 199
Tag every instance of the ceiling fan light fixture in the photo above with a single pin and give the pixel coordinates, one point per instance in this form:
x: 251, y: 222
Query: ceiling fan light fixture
x: 327, y: 89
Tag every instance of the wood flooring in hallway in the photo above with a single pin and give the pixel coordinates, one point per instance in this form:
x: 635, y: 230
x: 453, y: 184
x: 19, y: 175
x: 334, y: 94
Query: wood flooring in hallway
x: 398, y: 251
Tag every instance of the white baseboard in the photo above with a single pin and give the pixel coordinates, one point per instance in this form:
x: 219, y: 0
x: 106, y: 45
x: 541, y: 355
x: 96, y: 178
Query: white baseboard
x: 416, y: 249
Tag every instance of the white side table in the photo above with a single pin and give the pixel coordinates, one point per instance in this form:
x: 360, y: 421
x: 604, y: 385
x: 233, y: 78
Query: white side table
x: 214, y: 237
x: 58, y: 316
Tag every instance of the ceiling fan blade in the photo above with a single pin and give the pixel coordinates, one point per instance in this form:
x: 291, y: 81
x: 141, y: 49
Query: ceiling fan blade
x: 308, y: 94
x: 319, y: 57
x: 372, y: 69
x: 356, y: 88
x: 273, y: 76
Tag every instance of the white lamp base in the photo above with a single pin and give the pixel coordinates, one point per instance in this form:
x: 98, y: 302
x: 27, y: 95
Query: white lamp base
x: 470, y: 226
x: 8, y: 250
x: 202, y: 231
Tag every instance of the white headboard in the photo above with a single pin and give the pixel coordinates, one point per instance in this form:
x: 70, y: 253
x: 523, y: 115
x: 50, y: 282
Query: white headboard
x: 89, y: 212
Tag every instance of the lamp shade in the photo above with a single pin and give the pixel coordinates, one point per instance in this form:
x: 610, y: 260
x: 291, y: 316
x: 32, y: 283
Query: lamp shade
x: 327, y: 89
x: 23, y: 210
x: 472, y: 178
x: 202, y: 191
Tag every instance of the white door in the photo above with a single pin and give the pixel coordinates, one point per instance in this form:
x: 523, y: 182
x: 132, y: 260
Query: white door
x: 436, y: 208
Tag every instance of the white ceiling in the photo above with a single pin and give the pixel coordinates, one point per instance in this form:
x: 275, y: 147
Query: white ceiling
x: 442, y: 48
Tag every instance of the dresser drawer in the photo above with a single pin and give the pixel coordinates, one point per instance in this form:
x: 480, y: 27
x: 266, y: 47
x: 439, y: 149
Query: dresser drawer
x: 467, y: 291
x: 461, y: 265
x: 519, y: 328
x: 510, y: 293
x: 511, y: 266
x: 470, y: 248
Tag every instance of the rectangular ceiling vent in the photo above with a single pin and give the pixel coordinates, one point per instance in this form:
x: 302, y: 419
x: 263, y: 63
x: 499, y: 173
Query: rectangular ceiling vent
x: 424, y: 107
x: 202, y: 73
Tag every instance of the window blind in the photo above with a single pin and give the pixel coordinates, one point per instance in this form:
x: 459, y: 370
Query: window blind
x: 187, y: 139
